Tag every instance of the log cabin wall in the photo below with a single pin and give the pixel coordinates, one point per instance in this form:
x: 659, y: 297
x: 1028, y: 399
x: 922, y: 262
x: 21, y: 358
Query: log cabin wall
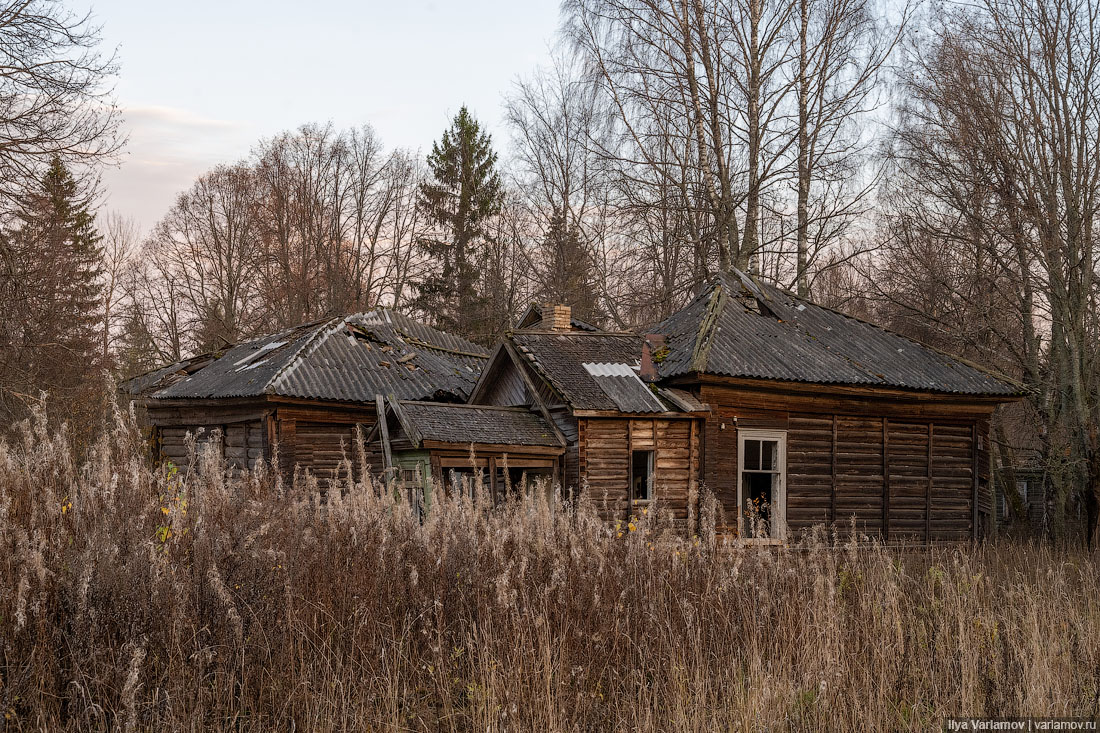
x: 568, y: 426
x: 236, y: 431
x: 240, y: 444
x: 604, y: 448
x: 904, y: 471
x: 314, y: 436
x: 319, y: 439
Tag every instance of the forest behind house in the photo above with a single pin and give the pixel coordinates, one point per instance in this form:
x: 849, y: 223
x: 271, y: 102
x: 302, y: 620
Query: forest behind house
x: 933, y: 168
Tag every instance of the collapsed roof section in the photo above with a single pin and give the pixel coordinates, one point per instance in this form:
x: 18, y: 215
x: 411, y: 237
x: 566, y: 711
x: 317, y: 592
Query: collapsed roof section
x: 348, y: 359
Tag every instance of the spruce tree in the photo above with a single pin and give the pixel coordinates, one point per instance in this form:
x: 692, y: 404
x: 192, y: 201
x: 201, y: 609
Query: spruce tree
x: 58, y: 259
x: 568, y: 269
x: 464, y: 194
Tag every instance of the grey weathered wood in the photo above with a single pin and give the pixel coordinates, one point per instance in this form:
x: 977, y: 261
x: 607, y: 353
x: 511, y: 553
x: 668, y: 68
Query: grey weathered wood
x: 384, y: 431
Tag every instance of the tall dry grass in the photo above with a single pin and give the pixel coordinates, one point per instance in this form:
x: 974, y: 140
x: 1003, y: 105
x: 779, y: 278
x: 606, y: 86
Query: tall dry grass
x: 137, y: 599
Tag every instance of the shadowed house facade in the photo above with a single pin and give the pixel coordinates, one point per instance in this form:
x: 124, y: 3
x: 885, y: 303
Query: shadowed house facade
x: 822, y: 418
x: 305, y: 389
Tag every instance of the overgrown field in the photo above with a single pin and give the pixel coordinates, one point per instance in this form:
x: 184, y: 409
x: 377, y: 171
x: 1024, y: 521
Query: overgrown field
x: 132, y: 598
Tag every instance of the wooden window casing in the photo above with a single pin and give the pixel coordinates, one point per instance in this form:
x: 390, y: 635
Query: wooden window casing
x: 776, y: 467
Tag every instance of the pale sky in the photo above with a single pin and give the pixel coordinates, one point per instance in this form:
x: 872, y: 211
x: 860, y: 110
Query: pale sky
x: 202, y: 81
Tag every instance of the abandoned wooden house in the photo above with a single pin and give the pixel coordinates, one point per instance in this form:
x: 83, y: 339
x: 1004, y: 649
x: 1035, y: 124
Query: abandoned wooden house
x: 305, y: 389
x: 626, y: 442
x: 790, y: 413
x: 818, y: 417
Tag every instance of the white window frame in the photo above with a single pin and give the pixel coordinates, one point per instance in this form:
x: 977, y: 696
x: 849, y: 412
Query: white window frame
x: 778, y: 528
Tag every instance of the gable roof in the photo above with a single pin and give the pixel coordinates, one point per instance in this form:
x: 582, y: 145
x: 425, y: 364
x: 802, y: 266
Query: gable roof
x: 349, y: 358
x: 590, y: 371
x: 740, y: 327
x: 478, y: 424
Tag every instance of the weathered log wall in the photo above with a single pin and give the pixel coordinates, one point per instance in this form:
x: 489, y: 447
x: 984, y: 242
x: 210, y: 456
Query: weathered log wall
x: 604, y: 446
x: 902, y: 471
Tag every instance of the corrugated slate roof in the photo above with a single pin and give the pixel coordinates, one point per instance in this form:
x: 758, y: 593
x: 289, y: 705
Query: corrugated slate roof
x: 561, y: 359
x: 621, y: 383
x: 741, y: 327
x: 465, y: 424
x: 347, y: 359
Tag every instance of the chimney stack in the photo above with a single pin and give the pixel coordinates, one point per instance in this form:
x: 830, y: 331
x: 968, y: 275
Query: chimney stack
x: 557, y: 317
x: 653, y: 344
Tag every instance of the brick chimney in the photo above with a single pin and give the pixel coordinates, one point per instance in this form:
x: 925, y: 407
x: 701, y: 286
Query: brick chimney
x: 653, y: 343
x: 557, y: 317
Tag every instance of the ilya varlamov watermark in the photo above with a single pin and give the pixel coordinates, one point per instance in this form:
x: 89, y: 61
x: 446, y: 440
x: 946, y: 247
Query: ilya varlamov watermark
x: 1019, y: 724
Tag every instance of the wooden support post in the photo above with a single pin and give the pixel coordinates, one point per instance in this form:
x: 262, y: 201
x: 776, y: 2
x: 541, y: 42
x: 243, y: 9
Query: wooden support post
x: 629, y: 467
x: 437, y: 474
x: 928, y: 489
x: 582, y: 451
x: 493, y: 488
x: 885, y: 479
x: 832, y: 490
x: 271, y: 435
x: 693, y: 472
x: 974, y: 482
x: 653, y: 474
x: 384, y: 431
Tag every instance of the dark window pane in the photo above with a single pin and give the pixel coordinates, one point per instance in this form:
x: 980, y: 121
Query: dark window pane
x: 751, y: 458
x: 641, y: 474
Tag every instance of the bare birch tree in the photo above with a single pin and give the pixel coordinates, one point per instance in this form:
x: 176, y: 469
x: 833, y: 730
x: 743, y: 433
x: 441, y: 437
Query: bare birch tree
x: 999, y: 188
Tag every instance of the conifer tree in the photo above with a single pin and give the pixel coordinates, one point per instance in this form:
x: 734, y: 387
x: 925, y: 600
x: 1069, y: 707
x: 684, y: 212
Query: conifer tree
x: 463, y: 195
x: 56, y: 263
x: 568, y: 269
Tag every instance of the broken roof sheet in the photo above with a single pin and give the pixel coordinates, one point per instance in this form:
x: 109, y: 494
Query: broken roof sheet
x: 347, y: 359
x: 591, y: 371
x: 466, y: 424
x: 740, y: 327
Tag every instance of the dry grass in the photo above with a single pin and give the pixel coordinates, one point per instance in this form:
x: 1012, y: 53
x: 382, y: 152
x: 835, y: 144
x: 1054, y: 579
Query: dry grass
x: 139, y: 600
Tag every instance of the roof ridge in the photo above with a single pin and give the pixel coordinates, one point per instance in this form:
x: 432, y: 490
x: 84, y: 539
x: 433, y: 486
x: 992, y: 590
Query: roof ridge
x: 429, y: 403
x: 324, y: 329
x: 538, y: 332
x: 708, y: 325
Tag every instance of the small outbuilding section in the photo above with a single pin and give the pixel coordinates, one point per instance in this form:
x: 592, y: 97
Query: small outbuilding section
x: 627, y: 442
x: 306, y: 389
x: 454, y: 446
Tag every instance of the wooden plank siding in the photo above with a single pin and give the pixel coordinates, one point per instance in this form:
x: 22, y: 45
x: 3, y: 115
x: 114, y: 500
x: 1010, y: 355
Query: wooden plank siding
x: 604, y: 446
x: 904, y: 474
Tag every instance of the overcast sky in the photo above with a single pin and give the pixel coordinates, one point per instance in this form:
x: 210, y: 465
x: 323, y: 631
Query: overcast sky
x: 202, y: 81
